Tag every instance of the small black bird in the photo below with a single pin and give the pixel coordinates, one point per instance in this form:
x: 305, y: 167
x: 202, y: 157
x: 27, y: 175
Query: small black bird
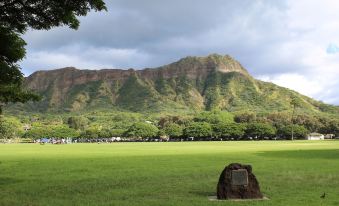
x: 323, y: 196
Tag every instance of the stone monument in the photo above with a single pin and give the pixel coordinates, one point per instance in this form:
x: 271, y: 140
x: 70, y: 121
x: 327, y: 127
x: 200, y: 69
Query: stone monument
x: 238, y: 182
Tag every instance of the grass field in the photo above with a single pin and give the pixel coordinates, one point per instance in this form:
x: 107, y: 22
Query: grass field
x: 183, y: 173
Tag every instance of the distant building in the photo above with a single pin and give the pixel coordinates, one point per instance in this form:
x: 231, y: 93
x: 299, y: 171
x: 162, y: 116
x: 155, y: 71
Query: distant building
x: 315, y: 136
x: 329, y: 136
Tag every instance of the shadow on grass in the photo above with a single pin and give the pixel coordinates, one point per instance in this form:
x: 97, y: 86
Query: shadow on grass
x: 8, y: 180
x: 302, y: 154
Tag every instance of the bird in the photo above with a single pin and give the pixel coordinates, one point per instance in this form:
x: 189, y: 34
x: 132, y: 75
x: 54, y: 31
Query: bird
x: 323, y: 195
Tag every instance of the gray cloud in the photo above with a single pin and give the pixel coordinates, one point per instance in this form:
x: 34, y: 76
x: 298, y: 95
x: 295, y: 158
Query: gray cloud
x: 270, y: 38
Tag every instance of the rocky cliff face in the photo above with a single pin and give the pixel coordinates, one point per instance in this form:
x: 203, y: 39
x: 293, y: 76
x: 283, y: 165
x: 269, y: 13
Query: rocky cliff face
x: 191, y: 67
x: 194, y: 83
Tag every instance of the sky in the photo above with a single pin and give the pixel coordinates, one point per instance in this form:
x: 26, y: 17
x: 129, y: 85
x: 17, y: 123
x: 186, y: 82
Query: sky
x: 291, y: 43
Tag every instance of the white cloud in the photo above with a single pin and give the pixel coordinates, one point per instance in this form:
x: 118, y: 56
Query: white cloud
x: 84, y: 57
x: 284, y: 41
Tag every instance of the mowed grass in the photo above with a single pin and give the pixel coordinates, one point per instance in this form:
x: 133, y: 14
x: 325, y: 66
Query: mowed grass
x: 182, y: 173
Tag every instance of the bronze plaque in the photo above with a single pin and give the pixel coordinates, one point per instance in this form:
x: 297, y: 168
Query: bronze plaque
x: 239, y: 177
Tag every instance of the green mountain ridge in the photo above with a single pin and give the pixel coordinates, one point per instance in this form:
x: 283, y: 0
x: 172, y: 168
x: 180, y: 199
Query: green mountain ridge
x: 192, y: 83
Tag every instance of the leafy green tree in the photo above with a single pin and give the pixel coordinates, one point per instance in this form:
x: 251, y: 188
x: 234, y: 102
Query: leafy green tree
x: 117, y: 132
x: 214, y: 117
x: 16, y: 16
x: 10, y: 128
x: 260, y: 130
x: 37, y: 14
x: 39, y: 132
x: 311, y: 123
x: 91, y: 132
x: 329, y: 126
x: 173, y: 130
x: 142, y: 129
x: 63, y: 131
x: 198, y: 130
x: 11, y: 78
x: 78, y: 123
x: 105, y: 133
x: 299, y: 131
x: 278, y: 119
x: 54, y: 131
x: 229, y: 130
x: 180, y: 120
x: 245, y: 117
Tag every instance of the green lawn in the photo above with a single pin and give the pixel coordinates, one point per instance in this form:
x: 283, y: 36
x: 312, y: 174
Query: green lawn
x: 183, y: 173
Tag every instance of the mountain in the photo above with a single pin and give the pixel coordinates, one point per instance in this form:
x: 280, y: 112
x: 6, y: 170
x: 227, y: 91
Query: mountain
x: 192, y: 83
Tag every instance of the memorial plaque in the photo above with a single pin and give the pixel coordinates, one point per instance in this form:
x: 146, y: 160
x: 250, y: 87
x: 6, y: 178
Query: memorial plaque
x: 239, y: 177
x: 237, y: 181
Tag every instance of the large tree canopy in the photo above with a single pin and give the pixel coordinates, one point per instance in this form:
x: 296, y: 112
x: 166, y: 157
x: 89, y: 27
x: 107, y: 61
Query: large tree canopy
x: 45, y: 14
x: 12, y: 50
x: 16, y: 16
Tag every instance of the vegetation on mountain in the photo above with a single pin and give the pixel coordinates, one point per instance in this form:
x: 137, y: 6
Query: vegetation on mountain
x: 78, y: 122
x: 203, y: 97
x: 190, y: 85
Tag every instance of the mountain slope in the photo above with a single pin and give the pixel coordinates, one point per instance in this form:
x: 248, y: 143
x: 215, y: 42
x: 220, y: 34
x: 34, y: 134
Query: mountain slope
x: 192, y: 83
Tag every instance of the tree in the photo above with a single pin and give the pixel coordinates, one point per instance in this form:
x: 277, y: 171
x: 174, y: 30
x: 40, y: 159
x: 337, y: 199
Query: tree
x: 295, y: 102
x: 260, y: 130
x: 173, y: 130
x: 55, y: 131
x: 245, y: 117
x: 12, y: 50
x: 214, y: 117
x: 180, y: 120
x: 78, y: 123
x: 329, y: 126
x: 91, y: 132
x: 38, y: 132
x: 142, y: 129
x: 105, y: 133
x: 311, y: 123
x: 117, y: 132
x: 279, y: 119
x: 63, y: 131
x: 198, y: 130
x: 230, y: 130
x: 16, y: 16
x: 299, y: 131
x: 10, y: 128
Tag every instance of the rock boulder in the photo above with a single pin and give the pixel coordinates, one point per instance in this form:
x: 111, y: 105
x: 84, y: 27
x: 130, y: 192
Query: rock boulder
x: 238, y: 182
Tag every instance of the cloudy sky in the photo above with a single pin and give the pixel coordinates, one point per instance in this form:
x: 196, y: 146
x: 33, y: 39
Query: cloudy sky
x: 291, y: 43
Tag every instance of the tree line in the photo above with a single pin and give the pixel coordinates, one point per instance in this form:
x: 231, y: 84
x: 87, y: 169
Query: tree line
x: 215, y: 125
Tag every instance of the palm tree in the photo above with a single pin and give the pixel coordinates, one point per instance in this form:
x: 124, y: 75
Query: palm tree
x: 295, y: 102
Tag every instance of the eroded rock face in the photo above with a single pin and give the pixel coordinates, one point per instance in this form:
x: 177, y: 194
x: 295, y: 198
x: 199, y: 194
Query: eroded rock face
x: 238, y: 182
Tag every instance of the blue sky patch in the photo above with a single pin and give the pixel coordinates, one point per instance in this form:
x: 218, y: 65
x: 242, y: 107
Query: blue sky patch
x: 332, y: 49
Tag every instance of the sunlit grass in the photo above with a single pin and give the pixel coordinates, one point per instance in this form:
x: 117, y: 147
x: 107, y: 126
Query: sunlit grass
x: 183, y: 173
